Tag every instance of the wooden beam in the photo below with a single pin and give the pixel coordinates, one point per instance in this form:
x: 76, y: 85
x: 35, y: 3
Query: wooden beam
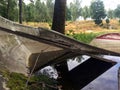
x: 65, y: 44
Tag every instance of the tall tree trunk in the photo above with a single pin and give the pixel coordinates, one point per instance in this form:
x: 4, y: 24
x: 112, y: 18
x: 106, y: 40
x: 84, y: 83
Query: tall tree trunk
x: 59, y: 16
x: 20, y: 11
x: 8, y: 8
x: 59, y: 26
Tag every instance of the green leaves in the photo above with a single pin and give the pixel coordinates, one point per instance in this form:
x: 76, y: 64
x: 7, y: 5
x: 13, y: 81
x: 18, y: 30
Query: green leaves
x: 8, y: 9
x: 85, y: 12
x: 117, y: 11
x: 75, y: 9
x: 97, y: 11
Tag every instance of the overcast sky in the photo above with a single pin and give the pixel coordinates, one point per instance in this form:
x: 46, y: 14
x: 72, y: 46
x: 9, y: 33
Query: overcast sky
x: 109, y: 4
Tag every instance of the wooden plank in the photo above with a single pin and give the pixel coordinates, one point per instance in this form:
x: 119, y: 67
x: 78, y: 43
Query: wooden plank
x: 32, y: 42
x: 63, y: 42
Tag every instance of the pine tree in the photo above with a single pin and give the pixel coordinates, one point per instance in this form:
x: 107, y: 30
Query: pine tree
x: 97, y: 11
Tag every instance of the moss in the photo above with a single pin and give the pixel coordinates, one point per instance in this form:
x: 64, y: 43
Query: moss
x: 16, y: 81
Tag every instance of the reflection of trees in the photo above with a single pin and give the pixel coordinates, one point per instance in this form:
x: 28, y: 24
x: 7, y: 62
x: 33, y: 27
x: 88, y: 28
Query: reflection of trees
x: 78, y: 58
x: 48, y: 71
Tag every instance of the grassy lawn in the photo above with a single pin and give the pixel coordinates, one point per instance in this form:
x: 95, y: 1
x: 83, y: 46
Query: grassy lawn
x: 88, y: 37
x: 85, y: 31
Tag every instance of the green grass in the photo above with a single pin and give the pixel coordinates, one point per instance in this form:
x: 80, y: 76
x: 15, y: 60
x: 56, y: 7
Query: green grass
x: 16, y: 81
x: 84, y: 37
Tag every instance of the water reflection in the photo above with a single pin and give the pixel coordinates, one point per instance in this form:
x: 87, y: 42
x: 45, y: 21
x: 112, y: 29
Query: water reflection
x: 108, y: 80
x: 72, y: 63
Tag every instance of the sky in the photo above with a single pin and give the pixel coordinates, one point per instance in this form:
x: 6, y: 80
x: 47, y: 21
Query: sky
x: 109, y: 4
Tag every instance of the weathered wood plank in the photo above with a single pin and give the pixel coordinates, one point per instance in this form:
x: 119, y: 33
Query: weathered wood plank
x: 21, y: 46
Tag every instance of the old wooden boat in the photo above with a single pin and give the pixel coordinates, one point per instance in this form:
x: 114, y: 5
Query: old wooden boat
x: 23, y: 48
x: 109, y: 41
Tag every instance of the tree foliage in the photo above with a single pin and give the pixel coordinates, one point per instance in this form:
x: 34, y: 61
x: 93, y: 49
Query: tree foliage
x: 50, y: 9
x: 8, y: 9
x: 117, y: 11
x: 97, y: 11
x: 110, y: 14
x: 75, y: 9
x: 28, y: 12
x: 3, y: 8
x: 68, y: 14
x: 107, y: 21
x: 37, y: 10
x: 42, y: 11
x: 85, y: 12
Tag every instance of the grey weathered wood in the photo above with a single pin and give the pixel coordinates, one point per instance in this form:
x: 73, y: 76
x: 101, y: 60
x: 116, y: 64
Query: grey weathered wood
x: 21, y: 45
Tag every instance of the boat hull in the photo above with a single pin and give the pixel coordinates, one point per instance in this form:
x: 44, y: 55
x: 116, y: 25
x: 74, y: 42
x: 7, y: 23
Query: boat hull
x: 110, y: 41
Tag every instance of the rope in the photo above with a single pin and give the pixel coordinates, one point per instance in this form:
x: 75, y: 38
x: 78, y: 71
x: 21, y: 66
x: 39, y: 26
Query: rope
x: 34, y: 66
x: 42, y: 83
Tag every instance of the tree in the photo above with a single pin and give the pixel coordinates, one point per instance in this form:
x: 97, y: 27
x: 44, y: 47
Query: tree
x: 117, y: 12
x: 29, y: 11
x: 59, y: 16
x: 107, y: 22
x: 41, y: 12
x: 13, y: 10
x: 68, y: 14
x: 50, y: 9
x: 8, y: 9
x: 85, y: 12
x: 75, y: 9
x: 97, y: 11
x: 110, y: 14
x: 20, y: 11
x: 3, y: 8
